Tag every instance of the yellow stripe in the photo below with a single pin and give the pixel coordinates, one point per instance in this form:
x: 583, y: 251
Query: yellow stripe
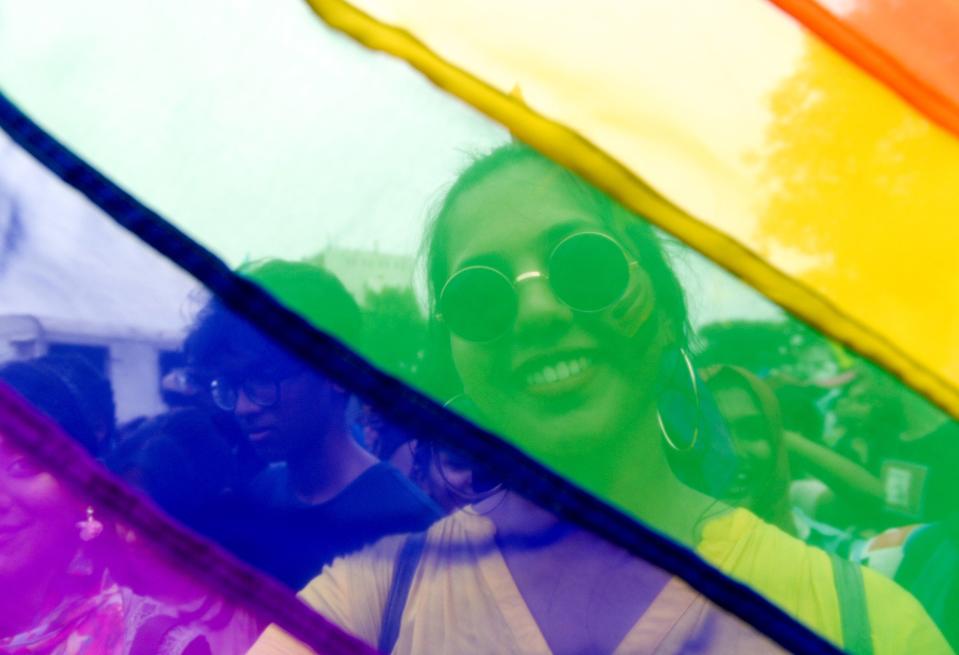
x: 577, y: 153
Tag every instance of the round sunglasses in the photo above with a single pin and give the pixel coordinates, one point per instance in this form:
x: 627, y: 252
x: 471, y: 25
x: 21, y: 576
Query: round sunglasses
x: 588, y: 272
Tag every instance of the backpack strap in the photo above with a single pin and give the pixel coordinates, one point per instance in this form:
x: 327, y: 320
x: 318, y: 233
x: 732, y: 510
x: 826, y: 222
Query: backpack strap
x: 853, y: 612
x: 407, y: 560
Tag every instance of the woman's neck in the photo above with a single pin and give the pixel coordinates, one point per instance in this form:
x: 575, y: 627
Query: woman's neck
x: 635, y: 476
x: 518, y: 519
x: 651, y: 491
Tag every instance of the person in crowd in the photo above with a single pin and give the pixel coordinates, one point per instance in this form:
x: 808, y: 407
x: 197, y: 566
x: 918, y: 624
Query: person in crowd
x: 179, y: 389
x: 53, y: 577
x: 769, y: 453
x: 322, y: 495
x: 428, y: 464
x: 94, y: 392
x: 786, y: 354
x: 566, y: 327
x: 869, y: 416
x: 929, y: 568
x: 753, y: 417
x: 919, y: 467
x: 47, y: 390
x: 74, y: 582
x: 182, y: 461
x: 387, y: 441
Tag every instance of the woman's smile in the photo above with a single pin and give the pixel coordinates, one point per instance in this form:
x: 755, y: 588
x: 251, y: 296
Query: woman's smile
x: 556, y: 374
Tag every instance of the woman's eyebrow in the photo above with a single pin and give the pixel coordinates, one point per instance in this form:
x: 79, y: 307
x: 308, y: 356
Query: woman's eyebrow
x: 492, y: 259
x: 565, y: 228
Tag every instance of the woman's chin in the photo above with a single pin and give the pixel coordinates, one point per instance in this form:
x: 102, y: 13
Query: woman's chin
x: 579, y: 434
x: 578, y: 418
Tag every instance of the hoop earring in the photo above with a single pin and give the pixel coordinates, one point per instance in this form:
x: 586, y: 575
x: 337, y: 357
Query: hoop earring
x: 497, y: 490
x: 687, y: 444
x: 462, y: 405
x: 470, y: 498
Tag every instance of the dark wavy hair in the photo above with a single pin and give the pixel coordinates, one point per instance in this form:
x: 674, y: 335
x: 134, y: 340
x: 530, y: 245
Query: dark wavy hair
x: 635, y: 234
x: 46, y: 390
x: 313, y: 292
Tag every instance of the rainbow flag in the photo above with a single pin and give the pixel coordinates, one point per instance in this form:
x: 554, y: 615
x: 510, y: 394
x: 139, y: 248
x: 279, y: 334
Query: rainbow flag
x: 513, y: 327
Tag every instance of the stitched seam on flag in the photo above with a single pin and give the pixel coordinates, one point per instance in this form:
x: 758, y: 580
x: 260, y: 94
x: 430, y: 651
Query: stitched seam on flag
x: 402, y: 404
x: 56, y: 451
x: 577, y: 153
x: 868, y: 55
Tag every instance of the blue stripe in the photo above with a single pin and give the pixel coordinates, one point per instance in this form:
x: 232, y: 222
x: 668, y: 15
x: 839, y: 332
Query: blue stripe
x: 399, y: 403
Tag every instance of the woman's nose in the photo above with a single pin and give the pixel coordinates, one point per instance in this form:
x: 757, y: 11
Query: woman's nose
x: 538, y: 310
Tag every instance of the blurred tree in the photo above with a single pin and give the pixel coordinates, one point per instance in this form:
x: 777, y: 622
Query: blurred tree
x: 784, y: 348
x: 395, y: 332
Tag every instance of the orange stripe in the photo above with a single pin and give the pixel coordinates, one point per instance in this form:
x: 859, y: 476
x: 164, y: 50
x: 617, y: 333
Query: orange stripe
x: 876, y: 61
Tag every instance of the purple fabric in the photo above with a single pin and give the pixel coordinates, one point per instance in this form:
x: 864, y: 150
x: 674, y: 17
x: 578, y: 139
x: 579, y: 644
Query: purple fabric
x: 124, y: 578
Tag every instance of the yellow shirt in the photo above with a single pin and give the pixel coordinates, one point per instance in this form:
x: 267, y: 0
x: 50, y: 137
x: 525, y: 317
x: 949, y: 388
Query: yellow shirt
x: 464, y: 600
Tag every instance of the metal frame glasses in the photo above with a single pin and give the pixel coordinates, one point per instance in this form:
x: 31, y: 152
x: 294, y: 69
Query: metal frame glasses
x: 588, y: 271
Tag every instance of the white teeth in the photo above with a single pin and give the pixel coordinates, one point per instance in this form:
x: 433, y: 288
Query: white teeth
x: 559, y: 371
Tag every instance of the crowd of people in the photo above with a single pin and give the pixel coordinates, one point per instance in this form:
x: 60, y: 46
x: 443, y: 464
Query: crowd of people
x: 556, y: 320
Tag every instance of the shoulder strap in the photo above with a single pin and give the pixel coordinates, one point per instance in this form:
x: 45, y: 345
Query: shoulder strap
x: 407, y: 561
x: 853, y: 612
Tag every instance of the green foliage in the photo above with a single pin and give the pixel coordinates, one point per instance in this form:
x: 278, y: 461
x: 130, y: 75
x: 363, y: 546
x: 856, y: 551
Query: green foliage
x: 395, y: 332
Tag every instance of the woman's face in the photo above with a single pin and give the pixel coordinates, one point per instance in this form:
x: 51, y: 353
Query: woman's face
x: 559, y: 380
x: 37, y: 517
x: 754, y: 437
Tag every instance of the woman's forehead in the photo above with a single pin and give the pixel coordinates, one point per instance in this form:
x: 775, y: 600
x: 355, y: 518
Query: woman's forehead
x: 523, y: 206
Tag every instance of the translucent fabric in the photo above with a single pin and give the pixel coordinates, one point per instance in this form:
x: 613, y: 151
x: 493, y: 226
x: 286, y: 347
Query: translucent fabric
x: 256, y: 451
x: 88, y: 568
x: 91, y: 566
x: 654, y: 457
x: 739, y: 130
x: 907, y: 47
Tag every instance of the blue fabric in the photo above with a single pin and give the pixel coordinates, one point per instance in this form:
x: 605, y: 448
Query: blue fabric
x: 293, y: 541
x: 398, y: 403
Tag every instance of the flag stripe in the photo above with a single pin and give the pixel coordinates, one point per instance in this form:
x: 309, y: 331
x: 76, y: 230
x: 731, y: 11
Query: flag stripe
x: 897, y: 70
x: 578, y: 153
x: 61, y: 455
x: 398, y: 402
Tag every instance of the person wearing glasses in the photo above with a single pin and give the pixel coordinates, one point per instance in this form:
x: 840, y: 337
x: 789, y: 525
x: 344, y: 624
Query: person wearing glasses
x: 565, y: 327
x: 321, y: 494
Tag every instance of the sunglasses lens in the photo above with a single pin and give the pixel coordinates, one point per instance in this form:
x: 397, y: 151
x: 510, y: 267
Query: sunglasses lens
x: 478, y: 304
x: 589, y: 272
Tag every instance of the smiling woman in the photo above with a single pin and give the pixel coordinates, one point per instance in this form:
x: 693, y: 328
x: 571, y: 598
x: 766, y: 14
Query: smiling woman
x: 318, y: 494
x: 36, y: 537
x: 559, y: 320
x: 563, y: 371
